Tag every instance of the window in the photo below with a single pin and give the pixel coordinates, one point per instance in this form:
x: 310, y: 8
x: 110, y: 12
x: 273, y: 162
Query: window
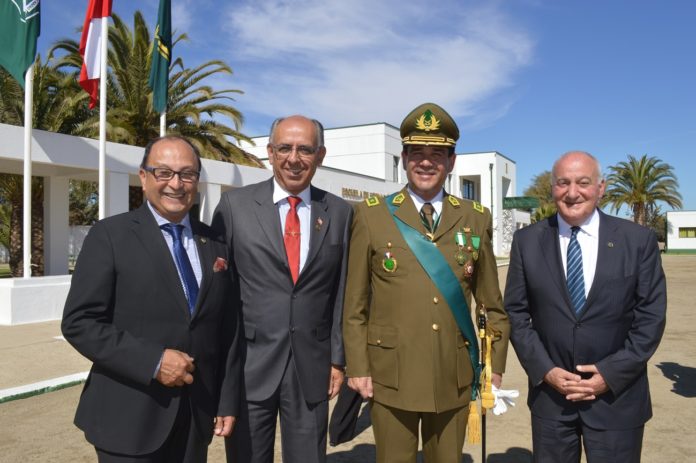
x: 395, y: 169
x: 687, y: 232
x: 468, y: 190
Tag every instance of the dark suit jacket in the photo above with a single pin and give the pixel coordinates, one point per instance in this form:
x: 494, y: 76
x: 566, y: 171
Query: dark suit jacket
x: 125, y: 306
x: 279, y: 316
x: 618, y: 330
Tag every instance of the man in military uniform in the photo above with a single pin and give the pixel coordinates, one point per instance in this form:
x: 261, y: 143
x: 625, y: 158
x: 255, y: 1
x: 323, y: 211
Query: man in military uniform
x: 416, y: 257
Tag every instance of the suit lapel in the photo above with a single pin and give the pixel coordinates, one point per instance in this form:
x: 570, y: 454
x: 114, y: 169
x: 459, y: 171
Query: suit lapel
x: 551, y: 250
x: 206, y: 257
x: 319, y: 224
x: 408, y: 213
x: 607, y: 260
x: 146, y: 230
x: 267, y: 215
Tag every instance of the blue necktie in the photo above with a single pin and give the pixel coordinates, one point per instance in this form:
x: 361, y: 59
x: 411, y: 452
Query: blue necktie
x: 575, y: 278
x: 183, y: 264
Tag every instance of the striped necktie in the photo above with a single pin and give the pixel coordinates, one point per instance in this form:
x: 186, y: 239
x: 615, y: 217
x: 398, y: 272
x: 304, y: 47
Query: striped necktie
x: 575, y: 278
x: 183, y: 264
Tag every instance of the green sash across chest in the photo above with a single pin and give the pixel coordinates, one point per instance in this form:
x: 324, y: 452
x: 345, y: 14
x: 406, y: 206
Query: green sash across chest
x: 440, y: 272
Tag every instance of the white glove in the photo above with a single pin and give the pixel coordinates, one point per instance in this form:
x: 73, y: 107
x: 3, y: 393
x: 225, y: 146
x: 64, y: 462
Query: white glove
x: 503, y: 399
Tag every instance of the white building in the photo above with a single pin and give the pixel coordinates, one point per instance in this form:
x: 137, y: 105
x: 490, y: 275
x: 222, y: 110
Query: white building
x: 361, y: 161
x: 681, y: 231
x: 374, y: 151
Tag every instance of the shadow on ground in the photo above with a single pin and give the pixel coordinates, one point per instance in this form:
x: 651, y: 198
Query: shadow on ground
x: 684, y: 378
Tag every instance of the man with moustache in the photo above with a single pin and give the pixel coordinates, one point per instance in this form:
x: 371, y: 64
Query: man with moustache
x: 149, y: 305
x: 586, y: 298
x: 288, y: 242
x: 416, y: 258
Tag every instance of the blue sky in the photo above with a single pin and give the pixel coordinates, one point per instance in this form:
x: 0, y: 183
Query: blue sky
x: 530, y: 79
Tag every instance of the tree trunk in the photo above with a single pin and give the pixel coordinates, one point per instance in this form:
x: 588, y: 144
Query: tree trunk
x: 37, y: 235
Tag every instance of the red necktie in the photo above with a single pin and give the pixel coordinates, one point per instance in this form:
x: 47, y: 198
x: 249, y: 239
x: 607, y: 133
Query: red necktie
x: 292, y: 237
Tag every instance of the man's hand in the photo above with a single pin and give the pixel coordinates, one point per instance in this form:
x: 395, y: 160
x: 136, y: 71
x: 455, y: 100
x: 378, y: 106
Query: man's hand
x: 586, y: 389
x: 224, y: 425
x: 362, y: 385
x: 176, y: 368
x: 558, y: 378
x: 335, y: 381
x: 497, y: 379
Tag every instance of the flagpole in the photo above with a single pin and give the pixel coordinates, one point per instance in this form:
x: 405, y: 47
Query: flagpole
x: 163, y: 124
x: 28, y: 112
x: 102, y: 116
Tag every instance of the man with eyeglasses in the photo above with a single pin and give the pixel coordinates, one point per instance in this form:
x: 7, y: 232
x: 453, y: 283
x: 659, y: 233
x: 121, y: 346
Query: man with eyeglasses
x: 288, y: 241
x: 151, y: 305
x: 416, y: 258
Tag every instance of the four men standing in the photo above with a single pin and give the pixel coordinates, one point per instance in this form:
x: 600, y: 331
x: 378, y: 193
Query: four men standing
x: 191, y: 334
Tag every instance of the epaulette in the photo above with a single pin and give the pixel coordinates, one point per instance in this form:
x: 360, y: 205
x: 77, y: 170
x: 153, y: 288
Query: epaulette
x: 453, y: 201
x: 398, y: 199
x: 478, y: 206
x: 372, y: 201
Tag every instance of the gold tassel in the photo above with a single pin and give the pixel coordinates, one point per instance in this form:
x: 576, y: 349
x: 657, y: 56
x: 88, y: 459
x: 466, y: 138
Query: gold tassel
x: 473, y: 425
x: 487, y: 396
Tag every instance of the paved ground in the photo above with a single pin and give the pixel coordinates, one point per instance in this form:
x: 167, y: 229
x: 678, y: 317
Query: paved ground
x: 39, y: 428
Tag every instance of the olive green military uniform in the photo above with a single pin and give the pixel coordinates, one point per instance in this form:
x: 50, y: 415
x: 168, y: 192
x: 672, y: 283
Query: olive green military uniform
x: 399, y: 329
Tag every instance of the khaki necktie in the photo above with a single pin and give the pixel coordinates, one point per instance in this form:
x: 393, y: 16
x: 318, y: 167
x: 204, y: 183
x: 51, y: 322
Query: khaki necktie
x: 427, y: 212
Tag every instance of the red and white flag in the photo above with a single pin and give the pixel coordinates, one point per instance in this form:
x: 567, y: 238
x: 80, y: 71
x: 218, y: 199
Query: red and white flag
x: 90, y: 47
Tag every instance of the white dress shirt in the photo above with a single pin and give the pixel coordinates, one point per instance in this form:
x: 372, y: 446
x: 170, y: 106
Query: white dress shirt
x: 588, y: 239
x: 436, y: 202
x: 304, y: 212
x: 187, y: 241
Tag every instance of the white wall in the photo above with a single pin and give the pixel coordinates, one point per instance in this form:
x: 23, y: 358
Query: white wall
x: 675, y: 221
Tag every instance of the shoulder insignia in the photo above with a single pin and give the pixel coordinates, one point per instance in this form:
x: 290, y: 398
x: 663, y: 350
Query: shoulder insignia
x: 398, y: 199
x: 453, y: 201
x: 372, y: 201
x: 478, y: 206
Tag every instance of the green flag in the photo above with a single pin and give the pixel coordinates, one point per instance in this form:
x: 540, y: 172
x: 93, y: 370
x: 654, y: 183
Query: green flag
x: 161, y: 56
x: 20, y: 25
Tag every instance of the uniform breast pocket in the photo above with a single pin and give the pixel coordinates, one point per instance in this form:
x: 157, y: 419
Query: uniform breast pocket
x: 383, y: 354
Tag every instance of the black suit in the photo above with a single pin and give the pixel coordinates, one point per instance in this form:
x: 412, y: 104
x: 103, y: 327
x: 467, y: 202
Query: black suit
x: 283, y: 320
x: 125, y: 306
x: 618, y: 330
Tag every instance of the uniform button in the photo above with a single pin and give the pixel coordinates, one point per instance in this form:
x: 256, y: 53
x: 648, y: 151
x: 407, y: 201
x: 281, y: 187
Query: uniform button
x: 294, y: 296
x: 379, y: 342
x: 466, y: 343
x: 436, y: 327
x: 292, y: 329
x: 435, y: 300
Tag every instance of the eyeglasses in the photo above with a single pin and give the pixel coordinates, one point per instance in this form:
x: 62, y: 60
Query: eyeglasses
x: 302, y: 150
x: 165, y: 174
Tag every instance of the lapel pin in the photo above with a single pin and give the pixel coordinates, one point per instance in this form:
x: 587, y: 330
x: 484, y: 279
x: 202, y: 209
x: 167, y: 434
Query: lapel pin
x: 610, y: 244
x: 319, y: 223
x: 203, y: 240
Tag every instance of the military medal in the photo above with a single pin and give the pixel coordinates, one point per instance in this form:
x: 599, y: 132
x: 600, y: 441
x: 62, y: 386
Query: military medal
x: 476, y: 242
x: 468, y: 269
x: 389, y: 263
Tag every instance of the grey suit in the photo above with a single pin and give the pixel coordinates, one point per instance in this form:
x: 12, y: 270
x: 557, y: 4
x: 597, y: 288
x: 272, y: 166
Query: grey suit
x: 288, y: 327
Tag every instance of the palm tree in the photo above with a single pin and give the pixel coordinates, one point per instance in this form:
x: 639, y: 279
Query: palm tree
x: 131, y: 118
x: 640, y: 184
x: 56, y: 107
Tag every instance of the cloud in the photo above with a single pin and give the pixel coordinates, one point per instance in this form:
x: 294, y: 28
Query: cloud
x: 364, y: 61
